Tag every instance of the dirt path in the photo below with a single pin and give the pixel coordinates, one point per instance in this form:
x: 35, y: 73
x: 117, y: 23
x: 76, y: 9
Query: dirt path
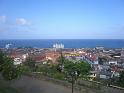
x: 32, y: 85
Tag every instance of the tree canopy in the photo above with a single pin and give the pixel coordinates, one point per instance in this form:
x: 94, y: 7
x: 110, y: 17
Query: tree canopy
x: 121, y: 79
x: 80, y: 68
x: 30, y: 63
x: 8, y: 70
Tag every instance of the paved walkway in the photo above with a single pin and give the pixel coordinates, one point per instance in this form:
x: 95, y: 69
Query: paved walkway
x: 32, y: 85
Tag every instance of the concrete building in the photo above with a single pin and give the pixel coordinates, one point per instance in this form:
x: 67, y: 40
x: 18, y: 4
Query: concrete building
x: 58, y: 46
x: 17, y: 61
x: 122, y: 52
x: 112, y: 62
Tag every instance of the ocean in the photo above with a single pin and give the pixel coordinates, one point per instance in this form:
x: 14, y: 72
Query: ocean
x: 68, y: 43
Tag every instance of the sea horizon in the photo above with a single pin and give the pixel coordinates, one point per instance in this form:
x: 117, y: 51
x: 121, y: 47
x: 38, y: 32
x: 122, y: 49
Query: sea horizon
x: 68, y: 43
x: 64, y: 39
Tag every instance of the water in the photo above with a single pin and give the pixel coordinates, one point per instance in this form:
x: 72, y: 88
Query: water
x: 69, y: 43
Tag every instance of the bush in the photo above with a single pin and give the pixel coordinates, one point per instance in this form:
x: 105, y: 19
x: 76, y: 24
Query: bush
x: 58, y: 75
x: 7, y: 68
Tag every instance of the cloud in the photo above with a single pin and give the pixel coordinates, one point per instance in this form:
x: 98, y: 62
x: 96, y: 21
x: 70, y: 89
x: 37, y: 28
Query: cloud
x: 17, y: 25
x: 22, y: 21
x: 3, y: 19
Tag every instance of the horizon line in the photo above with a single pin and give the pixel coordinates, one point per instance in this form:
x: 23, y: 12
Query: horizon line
x: 65, y: 39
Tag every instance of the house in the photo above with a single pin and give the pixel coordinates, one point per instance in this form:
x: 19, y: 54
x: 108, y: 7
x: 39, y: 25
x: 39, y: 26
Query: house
x: 105, y: 74
x: 18, y: 58
x: 38, y: 57
x: 17, y: 61
x: 53, y: 56
x: 113, y: 62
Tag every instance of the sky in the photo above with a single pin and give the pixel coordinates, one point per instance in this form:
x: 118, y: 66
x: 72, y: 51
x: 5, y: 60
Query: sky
x: 61, y: 19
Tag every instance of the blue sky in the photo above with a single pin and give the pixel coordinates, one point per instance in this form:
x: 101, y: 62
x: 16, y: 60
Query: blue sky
x: 61, y: 19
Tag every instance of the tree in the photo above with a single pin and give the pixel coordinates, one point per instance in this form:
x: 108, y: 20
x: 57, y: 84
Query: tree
x: 2, y: 59
x: 80, y: 68
x: 7, y: 68
x: 121, y: 79
x: 76, y: 69
x: 30, y: 63
x: 61, y: 61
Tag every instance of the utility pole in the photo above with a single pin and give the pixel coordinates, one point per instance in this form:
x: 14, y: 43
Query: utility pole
x: 72, y: 82
x: 62, y: 61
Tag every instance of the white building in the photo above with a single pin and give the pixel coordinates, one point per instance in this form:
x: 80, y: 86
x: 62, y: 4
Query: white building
x: 113, y: 62
x: 58, y: 46
x: 17, y: 61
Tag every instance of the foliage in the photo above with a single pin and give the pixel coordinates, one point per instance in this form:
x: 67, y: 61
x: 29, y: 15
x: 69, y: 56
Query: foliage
x: 30, y: 63
x: 61, y: 64
x: 9, y: 71
x: 65, y: 69
x: 50, y: 71
x: 2, y: 59
x: 47, y: 69
x: 83, y: 68
x: 61, y: 59
x: 79, y: 69
x: 22, y: 69
x: 121, y: 79
x: 58, y: 75
x: 7, y: 68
